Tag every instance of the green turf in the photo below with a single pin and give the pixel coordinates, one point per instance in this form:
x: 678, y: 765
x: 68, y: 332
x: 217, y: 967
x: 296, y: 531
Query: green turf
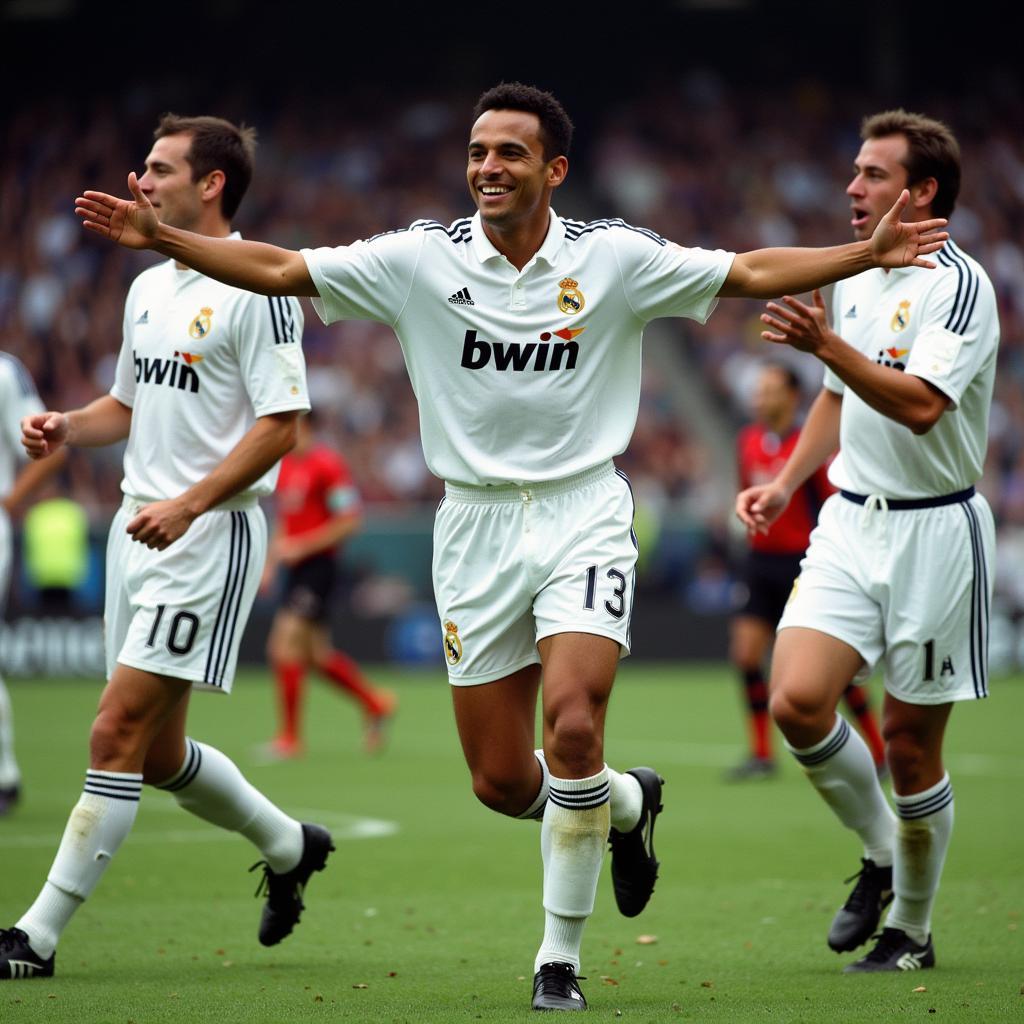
x: 439, y: 921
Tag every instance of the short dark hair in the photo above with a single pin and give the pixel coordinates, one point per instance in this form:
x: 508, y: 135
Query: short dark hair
x: 217, y: 145
x: 932, y: 152
x: 555, y: 127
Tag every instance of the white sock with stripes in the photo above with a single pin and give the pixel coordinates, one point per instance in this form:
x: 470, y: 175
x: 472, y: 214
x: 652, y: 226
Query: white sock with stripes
x: 210, y: 786
x: 98, y: 824
x: 626, y: 800
x: 922, y: 839
x: 841, y: 769
x: 9, y: 776
x: 536, y: 809
x: 572, y: 840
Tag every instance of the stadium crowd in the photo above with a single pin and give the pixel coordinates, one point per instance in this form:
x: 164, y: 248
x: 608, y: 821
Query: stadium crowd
x: 696, y: 160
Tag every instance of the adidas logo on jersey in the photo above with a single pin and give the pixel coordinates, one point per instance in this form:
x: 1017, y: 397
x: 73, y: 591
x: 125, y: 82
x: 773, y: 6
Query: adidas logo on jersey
x: 851, y: 313
x: 461, y: 298
x: 144, y: 319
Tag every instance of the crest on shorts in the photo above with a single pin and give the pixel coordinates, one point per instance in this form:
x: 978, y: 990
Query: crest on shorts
x: 570, y: 298
x: 452, y: 643
x: 201, y: 324
x: 901, y: 318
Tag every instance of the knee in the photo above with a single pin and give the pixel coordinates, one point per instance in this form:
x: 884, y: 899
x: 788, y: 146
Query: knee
x: 797, y: 712
x: 501, y: 791
x: 908, y: 759
x: 575, y: 740
x: 115, y: 735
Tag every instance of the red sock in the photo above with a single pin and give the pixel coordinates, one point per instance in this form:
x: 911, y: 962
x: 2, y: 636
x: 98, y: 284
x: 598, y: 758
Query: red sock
x: 760, y: 721
x: 289, y: 691
x: 857, y: 699
x: 345, y: 674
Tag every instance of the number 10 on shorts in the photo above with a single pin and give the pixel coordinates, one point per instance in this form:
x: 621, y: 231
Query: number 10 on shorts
x: 617, y: 604
x: 181, y: 630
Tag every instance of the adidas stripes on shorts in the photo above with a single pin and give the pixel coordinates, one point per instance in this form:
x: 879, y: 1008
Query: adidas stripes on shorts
x: 910, y: 588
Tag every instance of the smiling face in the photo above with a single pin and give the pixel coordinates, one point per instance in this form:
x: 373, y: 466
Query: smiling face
x: 167, y: 182
x: 509, y: 178
x: 879, y: 178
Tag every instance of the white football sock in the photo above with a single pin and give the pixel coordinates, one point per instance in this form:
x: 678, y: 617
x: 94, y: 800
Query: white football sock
x: 9, y: 776
x: 536, y: 809
x: 210, y: 786
x: 98, y: 824
x: 572, y: 840
x: 922, y: 839
x: 626, y: 800
x: 841, y: 769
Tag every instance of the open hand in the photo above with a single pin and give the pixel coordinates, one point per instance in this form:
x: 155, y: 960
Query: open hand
x: 131, y: 224
x: 899, y: 244
x: 802, y: 326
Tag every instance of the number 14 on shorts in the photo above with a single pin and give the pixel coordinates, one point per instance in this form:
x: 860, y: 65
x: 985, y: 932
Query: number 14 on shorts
x: 616, y: 605
x: 945, y: 669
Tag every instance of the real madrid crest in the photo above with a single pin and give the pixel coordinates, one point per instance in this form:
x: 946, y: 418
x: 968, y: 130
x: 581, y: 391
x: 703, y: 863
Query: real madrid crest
x: 901, y: 318
x: 570, y: 298
x: 452, y: 643
x: 201, y: 324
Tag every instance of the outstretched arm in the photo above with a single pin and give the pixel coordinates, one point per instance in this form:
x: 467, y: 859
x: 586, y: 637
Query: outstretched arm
x: 254, y: 266
x: 767, y: 273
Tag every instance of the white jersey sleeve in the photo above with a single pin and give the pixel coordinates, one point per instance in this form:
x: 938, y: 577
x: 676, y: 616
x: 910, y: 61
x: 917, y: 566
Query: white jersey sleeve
x: 269, y: 340
x: 662, y: 279
x: 368, y: 280
x: 123, y: 388
x: 957, y: 337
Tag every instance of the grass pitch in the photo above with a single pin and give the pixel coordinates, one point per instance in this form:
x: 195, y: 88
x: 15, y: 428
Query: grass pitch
x: 430, y: 909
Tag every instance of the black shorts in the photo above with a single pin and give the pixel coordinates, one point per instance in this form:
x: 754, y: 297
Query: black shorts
x: 769, y: 579
x: 308, y: 587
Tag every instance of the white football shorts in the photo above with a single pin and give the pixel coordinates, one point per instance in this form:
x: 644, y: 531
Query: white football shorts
x: 908, y: 587
x: 181, y: 612
x: 513, y: 565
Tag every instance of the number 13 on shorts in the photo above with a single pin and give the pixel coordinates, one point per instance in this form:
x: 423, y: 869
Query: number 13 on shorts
x: 615, y: 604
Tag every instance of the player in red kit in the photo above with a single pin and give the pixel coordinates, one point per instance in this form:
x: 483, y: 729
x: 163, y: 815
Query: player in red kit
x: 317, y: 510
x: 773, y: 562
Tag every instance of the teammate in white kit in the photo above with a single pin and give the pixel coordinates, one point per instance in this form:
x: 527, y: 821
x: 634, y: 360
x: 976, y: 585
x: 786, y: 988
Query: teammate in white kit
x: 899, y: 570
x: 521, y: 332
x: 18, y: 398
x: 209, y: 385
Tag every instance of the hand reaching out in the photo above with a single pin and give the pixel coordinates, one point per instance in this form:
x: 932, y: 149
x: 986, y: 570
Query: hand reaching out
x: 896, y: 243
x: 131, y: 224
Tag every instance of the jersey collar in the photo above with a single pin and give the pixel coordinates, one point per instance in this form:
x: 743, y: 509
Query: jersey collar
x: 548, y: 251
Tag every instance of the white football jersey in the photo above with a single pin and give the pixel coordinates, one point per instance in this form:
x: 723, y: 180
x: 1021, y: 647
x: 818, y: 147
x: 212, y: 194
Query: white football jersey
x: 18, y: 398
x: 521, y: 376
x: 940, y: 325
x: 200, y: 362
